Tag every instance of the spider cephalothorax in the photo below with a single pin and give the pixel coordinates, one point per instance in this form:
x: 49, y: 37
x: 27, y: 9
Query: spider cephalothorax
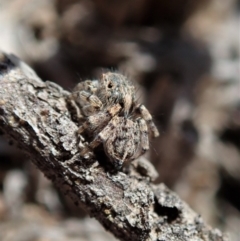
x: 110, y: 115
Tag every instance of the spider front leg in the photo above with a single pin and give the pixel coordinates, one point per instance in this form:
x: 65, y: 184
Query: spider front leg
x: 88, y: 153
x: 100, y: 138
x: 148, y: 118
x: 96, y: 124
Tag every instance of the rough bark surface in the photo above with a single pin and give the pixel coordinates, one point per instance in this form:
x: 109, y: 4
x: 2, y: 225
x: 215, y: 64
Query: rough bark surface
x: 35, y: 115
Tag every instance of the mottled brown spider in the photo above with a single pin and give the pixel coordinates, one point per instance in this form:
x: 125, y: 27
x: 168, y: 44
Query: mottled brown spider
x: 111, y: 116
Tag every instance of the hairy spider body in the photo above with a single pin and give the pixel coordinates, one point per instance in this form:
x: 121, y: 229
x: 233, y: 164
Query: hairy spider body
x: 111, y: 116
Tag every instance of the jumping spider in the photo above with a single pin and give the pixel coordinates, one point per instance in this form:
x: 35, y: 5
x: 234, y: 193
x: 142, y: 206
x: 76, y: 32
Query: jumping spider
x: 111, y: 116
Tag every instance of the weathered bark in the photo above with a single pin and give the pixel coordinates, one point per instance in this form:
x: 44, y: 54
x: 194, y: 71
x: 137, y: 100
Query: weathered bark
x: 36, y: 116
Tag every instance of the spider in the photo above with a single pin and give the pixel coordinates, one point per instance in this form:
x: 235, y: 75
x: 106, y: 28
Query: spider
x: 111, y: 116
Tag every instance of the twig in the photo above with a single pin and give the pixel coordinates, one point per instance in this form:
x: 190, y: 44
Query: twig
x: 36, y: 116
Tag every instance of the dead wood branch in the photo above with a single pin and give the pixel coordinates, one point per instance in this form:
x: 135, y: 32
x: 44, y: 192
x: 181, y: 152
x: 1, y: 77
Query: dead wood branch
x: 35, y: 115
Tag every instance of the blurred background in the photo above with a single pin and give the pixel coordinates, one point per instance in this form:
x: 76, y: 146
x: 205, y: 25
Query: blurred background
x: 184, y: 58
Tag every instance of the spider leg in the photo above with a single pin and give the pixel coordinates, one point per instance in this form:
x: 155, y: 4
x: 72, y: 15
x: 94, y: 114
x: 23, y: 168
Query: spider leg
x: 100, y: 138
x: 144, y: 135
x: 89, y: 85
x: 86, y: 152
x: 91, y: 101
x: 89, y: 110
x: 144, y: 140
x: 98, y: 121
x: 148, y: 118
x: 76, y: 109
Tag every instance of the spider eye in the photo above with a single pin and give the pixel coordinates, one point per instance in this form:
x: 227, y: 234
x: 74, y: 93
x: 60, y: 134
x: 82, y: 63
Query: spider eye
x: 110, y: 85
x: 121, y: 104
